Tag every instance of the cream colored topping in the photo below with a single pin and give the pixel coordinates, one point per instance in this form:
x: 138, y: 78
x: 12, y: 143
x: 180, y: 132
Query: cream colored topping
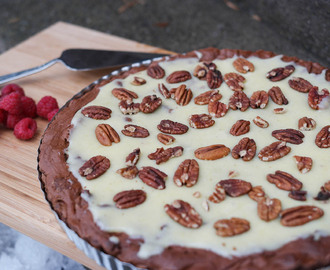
x: 149, y: 219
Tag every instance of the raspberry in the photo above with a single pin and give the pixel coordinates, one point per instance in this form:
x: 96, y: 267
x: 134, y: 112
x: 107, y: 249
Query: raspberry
x: 11, y: 103
x: 46, y: 105
x: 25, y: 129
x: 3, y: 116
x: 29, y: 107
x: 11, y: 88
x: 13, y: 119
x: 51, y: 114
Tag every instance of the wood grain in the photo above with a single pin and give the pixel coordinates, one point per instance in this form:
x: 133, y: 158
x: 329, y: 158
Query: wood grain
x: 22, y: 203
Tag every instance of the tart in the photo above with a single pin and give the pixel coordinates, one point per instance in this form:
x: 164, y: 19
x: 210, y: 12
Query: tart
x: 213, y: 159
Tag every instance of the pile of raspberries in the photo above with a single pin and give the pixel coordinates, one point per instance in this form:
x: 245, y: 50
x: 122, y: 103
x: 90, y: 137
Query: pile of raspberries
x: 18, y: 111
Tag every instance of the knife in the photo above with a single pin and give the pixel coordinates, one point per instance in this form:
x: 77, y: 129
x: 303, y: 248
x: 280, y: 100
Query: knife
x: 86, y: 59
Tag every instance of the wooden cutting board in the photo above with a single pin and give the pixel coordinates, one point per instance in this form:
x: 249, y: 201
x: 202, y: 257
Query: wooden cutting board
x: 22, y: 203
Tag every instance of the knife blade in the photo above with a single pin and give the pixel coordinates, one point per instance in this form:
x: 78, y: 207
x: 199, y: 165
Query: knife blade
x: 87, y: 59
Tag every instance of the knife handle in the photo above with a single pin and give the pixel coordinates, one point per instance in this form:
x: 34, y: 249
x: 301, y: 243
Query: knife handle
x: 27, y: 72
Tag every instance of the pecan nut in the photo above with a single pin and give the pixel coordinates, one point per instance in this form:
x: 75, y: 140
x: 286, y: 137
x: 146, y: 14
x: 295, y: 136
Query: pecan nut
x: 97, y: 112
x: 202, y: 69
x: 150, y: 103
x: 135, y: 131
x: 200, y: 121
x: 243, y: 66
x: 163, y: 90
x: 155, y: 71
x: 231, y: 227
x: 235, y: 187
x: 245, y: 149
x: 129, y: 198
x: 178, y: 76
x: 300, y: 84
x: 94, y: 167
x: 240, y: 127
x: 274, y: 151
x: 277, y: 96
x: 257, y: 193
x: 170, y: 127
x: 212, y: 152
x: 278, y: 74
x: 217, y: 108
x: 269, y: 209
x: 182, y: 95
x: 316, y: 98
x: 133, y: 157
x: 306, y: 123
x: 304, y: 164
x: 207, y: 96
x: 184, y: 214
x: 284, y: 180
x: 322, y: 139
x: 289, y: 135
x: 129, y: 107
x: 138, y: 81
x: 259, y: 99
x: 261, y: 122
x: 129, y: 172
x: 214, y: 79
x: 279, y: 110
x: 165, y: 138
x: 300, y: 215
x: 234, y: 81
x: 298, y: 195
x: 187, y: 173
x: 324, y: 193
x: 161, y: 155
x: 106, y: 135
x: 239, y: 100
x: 124, y: 94
x: 153, y: 177
x: 218, y: 195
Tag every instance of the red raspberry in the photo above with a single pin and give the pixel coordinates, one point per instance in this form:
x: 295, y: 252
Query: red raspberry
x: 25, y: 129
x: 3, y: 116
x: 11, y: 103
x: 51, y: 114
x: 11, y: 88
x: 46, y: 105
x: 13, y: 119
x: 29, y: 107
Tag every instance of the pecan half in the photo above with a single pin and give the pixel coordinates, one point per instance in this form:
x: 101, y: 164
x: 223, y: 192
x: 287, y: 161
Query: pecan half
x: 129, y: 198
x: 153, y: 177
x: 245, y: 149
x: 124, y: 94
x: 163, y: 90
x: 257, y: 193
x: 235, y: 187
x: 138, y: 81
x: 243, y: 66
x: 207, y: 96
x: 284, y: 180
x: 94, y: 167
x: 304, y: 164
x: 133, y: 157
x: 187, y: 173
x: 277, y: 96
x: 161, y: 155
x: 269, y: 209
x: 298, y: 195
x: 279, y: 110
x: 155, y: 71
x: 165, y: 138
x: 129, y: 172
x: 239, y: 100
x: 214, y: 79
x: 300, y: 215
x: 170, y: 127
x: 259, y: 99
x: 202, y: 69
x: 240, y: 127
x: 306, y: 123
x: 150, y: 103
x: 289, y: 135
x: 184, y: 214
x: 300, y: 84
x: 274, y: 151
x: 97, y: 112
x: 261, y: 122
x: 278, y: 74
x: 323, y: 194
x: 212, y: 152
x: 231, y: 227
x: 218, y: 195
x: 316, y: 97
x: 182, y: 95
x: 200, y: 121
x: 234, y: 81
x: 106, y: 135
x: 178, y: 76
x: 217, y: 109
x: 322, y: 139
x: 129, y: 107
x: 135, y: 131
